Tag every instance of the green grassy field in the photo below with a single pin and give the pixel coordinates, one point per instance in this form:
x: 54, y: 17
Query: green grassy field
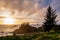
x: 35, y: 36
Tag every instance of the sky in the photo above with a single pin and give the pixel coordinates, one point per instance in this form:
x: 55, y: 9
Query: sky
x: 34, y: 10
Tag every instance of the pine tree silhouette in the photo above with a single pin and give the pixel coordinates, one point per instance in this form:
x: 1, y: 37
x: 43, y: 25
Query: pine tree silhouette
x: 50, y: 21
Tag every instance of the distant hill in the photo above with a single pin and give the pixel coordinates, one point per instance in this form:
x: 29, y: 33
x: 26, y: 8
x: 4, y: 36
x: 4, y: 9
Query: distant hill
x: 25, y: 28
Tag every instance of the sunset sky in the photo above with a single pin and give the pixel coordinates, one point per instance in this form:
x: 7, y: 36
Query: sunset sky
x: 32, y: 11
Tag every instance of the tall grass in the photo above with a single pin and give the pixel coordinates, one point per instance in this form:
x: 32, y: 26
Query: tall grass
x: 35, y: 36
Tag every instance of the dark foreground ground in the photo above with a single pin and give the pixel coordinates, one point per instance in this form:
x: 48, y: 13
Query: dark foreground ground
x: 35, y: 36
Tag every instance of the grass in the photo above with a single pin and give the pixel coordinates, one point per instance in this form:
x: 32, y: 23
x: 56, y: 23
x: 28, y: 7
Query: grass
x: 35, y: 36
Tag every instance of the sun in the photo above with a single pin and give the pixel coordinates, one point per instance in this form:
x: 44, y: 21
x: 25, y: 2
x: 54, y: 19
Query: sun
x: 8, y: 20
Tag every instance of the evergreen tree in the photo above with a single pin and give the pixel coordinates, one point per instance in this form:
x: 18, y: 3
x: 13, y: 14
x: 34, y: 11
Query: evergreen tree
x: 50, y: 21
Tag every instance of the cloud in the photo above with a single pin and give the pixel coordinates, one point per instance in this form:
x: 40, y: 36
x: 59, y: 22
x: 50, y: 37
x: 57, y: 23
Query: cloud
x: 27, y: 6
x: 56, y: 4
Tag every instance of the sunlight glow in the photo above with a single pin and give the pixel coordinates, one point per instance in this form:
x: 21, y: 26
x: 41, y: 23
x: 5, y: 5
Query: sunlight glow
x: 8, y: 21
